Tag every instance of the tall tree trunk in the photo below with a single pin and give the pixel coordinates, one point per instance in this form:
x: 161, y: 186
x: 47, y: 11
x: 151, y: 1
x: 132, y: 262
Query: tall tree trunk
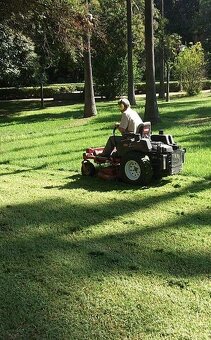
x: 162, y: 62
x: 168, y: 70
x: 42, y: 79
x: 41, y: 96
x: 131, y: 91
x: 89, y: 105
x: 151, y: 107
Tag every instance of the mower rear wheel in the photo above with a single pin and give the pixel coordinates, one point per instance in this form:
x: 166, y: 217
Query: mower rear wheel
x: 87, y: 168
x: 136, y: 168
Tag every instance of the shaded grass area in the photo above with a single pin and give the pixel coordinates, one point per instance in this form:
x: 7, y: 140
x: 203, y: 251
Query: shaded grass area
x: 86, y: 259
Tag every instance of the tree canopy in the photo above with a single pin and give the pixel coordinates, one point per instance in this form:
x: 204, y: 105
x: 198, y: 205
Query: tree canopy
x: 54, y: 31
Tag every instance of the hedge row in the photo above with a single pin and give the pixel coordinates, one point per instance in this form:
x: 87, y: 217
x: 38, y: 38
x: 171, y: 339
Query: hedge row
x: 174, y: 86
x: 74, y: 91
x: 34, y: 92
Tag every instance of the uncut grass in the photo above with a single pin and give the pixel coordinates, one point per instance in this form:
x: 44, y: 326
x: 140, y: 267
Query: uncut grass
x: 83, y: 258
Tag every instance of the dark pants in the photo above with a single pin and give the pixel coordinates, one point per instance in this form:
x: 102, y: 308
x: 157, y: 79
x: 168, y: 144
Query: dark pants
x: 112, y: 142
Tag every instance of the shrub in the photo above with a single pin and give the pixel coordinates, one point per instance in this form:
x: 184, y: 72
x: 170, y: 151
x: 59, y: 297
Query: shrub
x: 189, y: 68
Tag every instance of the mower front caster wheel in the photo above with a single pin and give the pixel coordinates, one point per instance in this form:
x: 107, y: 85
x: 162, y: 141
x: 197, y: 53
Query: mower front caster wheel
x: 87, y: 168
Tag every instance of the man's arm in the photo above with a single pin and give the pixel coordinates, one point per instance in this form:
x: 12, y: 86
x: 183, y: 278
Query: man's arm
x: 122, y: 130
x: 124, y: 123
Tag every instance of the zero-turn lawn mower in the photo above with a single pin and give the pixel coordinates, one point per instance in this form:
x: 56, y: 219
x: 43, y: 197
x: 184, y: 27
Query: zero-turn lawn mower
x: 138, y: 158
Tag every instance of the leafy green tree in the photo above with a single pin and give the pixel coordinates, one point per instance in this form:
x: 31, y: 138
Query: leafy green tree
x: 110, y: 55
x: 138, y: 40
x: 190, y: 68
x: 53, y: 26
x: 12, y: 7
x: 110, y: 46
x: 18, y: 60
x: 181, y: 15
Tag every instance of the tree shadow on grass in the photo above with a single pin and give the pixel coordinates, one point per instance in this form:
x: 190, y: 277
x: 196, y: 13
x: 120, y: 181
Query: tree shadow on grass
x: 51, y: 257
x: 78, y: 181
x: 10, y: 113
x: 16, y: 106
x: 119, y: 251
x: 182, y: 111
x: 198, y: 117
x: 41, y: 117
x: 10, y: 110
x: 18, y: 171
x: 63, y: 218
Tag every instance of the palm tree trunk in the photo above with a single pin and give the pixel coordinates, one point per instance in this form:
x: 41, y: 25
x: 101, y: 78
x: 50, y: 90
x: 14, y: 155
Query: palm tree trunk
x: 89, y: 105
x: 151, y: 107
x: 131, y: 91
x: 168, y: 69
x: 41, y: 96
x: 162, y: 62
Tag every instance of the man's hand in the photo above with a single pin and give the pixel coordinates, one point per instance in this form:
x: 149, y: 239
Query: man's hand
x: 119, y: 128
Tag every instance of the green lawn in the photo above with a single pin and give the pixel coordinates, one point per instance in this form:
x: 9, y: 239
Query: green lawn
x: 83, y: 258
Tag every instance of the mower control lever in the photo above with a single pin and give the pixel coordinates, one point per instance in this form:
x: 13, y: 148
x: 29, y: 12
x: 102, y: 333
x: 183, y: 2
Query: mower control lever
x: 115, y: 127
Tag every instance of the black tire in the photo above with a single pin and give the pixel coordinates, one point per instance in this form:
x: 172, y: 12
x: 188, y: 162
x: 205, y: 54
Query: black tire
x: 136, y: 169
x: 87, y: 168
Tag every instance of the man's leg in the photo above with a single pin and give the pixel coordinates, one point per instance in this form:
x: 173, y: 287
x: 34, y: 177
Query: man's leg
x: 110, y: 145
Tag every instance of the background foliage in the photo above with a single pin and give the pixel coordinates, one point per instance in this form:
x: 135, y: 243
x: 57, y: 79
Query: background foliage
x: 54, y: 29
x: 189, y: 68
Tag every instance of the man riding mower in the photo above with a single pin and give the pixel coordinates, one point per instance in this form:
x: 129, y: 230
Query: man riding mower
x: 136, y: 156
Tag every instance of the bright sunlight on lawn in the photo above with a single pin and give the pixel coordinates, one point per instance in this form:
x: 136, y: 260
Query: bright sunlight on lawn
x: 82, y: 258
